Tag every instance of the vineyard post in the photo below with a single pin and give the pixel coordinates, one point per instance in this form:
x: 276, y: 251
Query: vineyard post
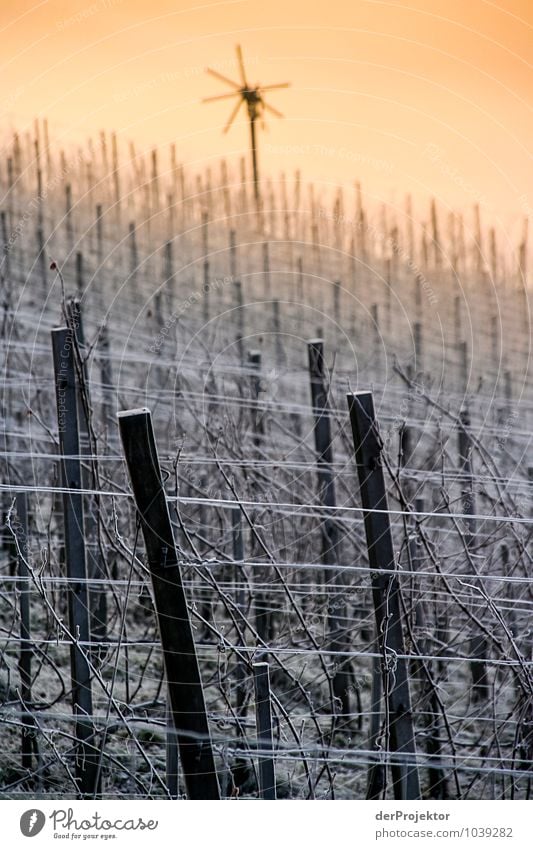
x: 69, y: 446
x: 457, y: 316
x: 463, y: 364
x: 428, y: 701
x: 258, y: 426
x: 276, y: 327
x: 388, y: 294
x: 106, y: 377
x: 42, y: 258
x: 96, y: 567
x: 179, y: 651
x: 337, y: 619
x: 376, y: 353
x: 300, y: 281
x: 386, y: 594
x: 240, y: 320
x: 337, y: 289
x: 172, y: 762
x: 29, y: 740
x: 79, y: 274
x: 417, y: 333
x: 242, y: 769
x: 478, y: 643
x: 133, y: 256
x: 232, y: 254
x: 205, y: 251
x: 5, y: 250
x: 169, y: 280
x: 238, y: 557
x: 266, y: 271
x: 263, y: 617
x: 263, y: 713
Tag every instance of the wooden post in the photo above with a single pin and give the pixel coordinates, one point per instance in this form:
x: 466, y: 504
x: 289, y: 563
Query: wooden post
x: 181, y: 663
x: 388, y: 294
x: 276, y: 327
x: 169, y: 282
x: 172, y: 761
x: 337, y: 304
x: 29, y: 739
x: 106, y: 377
x: 79, y: 274
x: 42, y: 258
x: 463, y: 364
x: 238, y: 557
x: 69, y: 446
x: 237, y: 285
x: 232, y: 255
x: 263, y: 616
x: 242, y: 771
x: 337, y: 619
x: 386, y: 595
x: 99, y: 235
x: 116, y: 177
x: 6, y: 250
x: 266, y: 271
x: 494, y: 348
x: 96, y: 566
x: 263, y: 714
x: 478, y: 643
x: 134, y: 257
x: 205, y: 251
x: 457, y: 316
x: 417, y: 332
x: 300, y: 282
x: 68, y: 218
x: 257, y: 415
x: 428, y: 701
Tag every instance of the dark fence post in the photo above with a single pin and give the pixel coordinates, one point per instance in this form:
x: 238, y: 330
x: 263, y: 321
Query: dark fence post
x: 337, y: 620
x: 478, y: 643
x: 263, y: 713
x: 386, y: 595
x: 261, y: 575
x: 29, y: 739
x: 181, y: 663
x: 205, y: 251
x: 69, y: 446
x: 96, y: 566
x: 238, y: 557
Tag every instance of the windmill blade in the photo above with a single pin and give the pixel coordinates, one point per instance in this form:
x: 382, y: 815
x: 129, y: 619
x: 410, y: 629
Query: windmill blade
x: 241, y: 66
x: 232, y: 116
x: 275, y: 85
x: 222, y: 77
x: 221, y: 97
x: 275, y: 112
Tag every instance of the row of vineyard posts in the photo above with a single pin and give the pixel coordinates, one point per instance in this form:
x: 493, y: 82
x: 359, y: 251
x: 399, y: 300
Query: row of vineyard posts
x: 188, y: 727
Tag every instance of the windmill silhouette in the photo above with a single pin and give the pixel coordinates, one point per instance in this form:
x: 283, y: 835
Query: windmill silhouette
x: 252, y: 96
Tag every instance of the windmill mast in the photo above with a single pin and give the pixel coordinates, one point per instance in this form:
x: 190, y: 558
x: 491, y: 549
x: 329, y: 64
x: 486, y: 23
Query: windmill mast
x: 253, y: 118
x: 253, y: 97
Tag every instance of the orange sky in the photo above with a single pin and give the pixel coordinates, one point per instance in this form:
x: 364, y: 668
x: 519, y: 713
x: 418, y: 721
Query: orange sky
x: 427, y: 96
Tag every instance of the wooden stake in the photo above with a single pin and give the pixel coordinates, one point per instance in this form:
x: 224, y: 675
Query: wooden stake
x: 181, y: 663
x: 69, y: 446
x: 337, y: 621
x: 263, y: 714
x: 478, y: 643
x: 386, y: 593
x: 96, y: 566
x: 29, y: 739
